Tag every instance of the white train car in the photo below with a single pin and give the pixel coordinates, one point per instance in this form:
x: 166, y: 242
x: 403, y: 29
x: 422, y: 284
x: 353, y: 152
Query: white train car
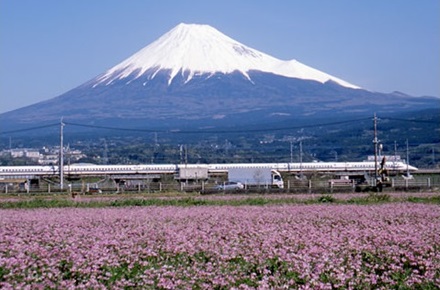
x: 91, y: 169
x: 29, y: 170
x: 315, y: 166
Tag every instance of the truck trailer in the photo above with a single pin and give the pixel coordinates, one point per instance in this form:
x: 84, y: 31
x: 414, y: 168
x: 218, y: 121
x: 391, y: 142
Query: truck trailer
x: 251, y: 177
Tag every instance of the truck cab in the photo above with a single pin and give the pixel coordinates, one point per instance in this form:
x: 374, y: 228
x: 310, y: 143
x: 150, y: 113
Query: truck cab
x: 277, y: 179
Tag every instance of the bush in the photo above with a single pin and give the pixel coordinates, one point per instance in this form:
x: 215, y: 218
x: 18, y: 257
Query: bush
x: 326, y: 198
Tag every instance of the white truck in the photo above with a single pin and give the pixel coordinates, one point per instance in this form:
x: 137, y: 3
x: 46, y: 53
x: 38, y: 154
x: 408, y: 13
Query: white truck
x: 261, y: 177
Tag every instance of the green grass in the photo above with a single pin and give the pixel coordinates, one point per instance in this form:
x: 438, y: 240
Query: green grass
x: 432, y: 199
x: 196, y: 200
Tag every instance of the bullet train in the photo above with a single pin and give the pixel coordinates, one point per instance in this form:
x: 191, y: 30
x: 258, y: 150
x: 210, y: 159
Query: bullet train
x: 96, y: 170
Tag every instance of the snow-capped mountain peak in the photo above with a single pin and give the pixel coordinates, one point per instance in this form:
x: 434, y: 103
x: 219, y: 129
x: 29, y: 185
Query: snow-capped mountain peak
x: 193, y: 49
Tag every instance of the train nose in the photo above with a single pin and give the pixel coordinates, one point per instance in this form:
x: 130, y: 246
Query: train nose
x: 412, y: 168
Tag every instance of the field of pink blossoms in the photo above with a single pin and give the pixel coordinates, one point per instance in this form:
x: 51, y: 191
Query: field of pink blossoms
x: 203, y: 247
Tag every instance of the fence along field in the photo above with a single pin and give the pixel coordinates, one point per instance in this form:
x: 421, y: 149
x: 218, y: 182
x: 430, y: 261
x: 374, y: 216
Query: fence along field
x: 427, y: 182
x: 393, y: 245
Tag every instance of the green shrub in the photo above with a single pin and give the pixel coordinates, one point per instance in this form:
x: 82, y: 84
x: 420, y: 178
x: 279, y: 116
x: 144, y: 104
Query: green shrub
x: 326, y: 198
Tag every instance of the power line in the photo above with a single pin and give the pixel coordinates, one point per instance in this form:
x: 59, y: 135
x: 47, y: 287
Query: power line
x: 411, y: 120
x: 225, y: 131
x: 267, y: 129
x: 220, y: 131
x: 110, y: 128
x: 29, y: 129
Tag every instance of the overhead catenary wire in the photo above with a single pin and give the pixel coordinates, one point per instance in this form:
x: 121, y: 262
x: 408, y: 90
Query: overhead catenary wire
x: 30, y: 129
x: 219, y: 131
x: 411, y: 120
x: 201, y: 131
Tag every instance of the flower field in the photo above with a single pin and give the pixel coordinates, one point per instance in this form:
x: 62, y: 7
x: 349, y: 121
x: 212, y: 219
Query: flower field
x: 393, y: 245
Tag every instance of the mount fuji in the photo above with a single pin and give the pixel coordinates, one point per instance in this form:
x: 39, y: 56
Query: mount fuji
x: 192, y: 50
x: 195, y: 75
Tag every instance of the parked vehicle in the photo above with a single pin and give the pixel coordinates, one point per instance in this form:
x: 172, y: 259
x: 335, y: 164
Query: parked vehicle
x: 94, y: 190
x: 230, y: 186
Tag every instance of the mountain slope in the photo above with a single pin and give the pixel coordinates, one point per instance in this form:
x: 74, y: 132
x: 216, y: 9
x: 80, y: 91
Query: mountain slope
x: 196, y: 75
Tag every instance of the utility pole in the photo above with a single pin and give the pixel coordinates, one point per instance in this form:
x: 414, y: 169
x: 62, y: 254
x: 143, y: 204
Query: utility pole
x: 375, y: 142
x: 291, y: 151
x: 61, y: 163
x: 300, y: 158
x: 395, y: 155
x: 68, y: 155
x: 105, y: 154
x: 407, y: 159
x: 181, y: 153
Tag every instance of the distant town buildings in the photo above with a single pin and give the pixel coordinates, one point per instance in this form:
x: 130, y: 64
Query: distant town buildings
x: 23, y: 152
x: 45, y: 155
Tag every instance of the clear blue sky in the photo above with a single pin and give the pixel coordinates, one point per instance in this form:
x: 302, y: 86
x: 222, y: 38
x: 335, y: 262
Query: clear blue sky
x: 48, y: 47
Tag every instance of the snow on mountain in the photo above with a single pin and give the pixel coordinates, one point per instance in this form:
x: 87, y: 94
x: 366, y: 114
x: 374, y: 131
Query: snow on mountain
x: 194, y: 49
